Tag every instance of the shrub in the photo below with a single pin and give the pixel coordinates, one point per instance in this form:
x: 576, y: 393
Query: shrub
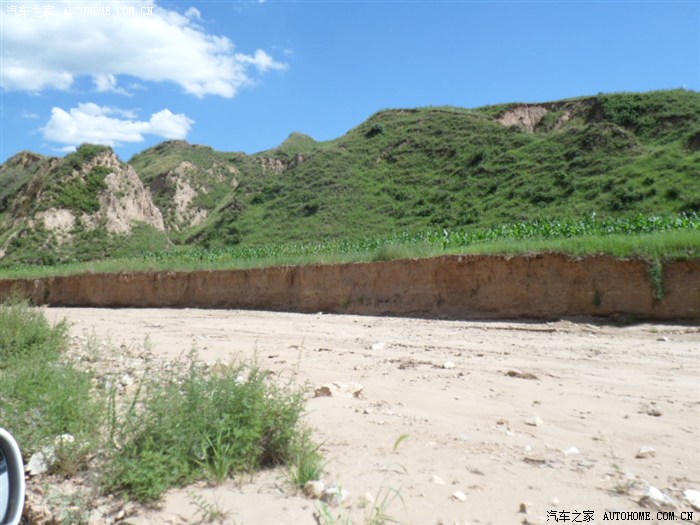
x: 83, y: 195
x: 42, y: 397
x: 198, y: 425
x: 25, y: 333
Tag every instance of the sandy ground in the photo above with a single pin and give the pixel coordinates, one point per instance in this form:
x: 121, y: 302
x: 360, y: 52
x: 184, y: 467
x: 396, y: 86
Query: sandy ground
x: 494, y: 414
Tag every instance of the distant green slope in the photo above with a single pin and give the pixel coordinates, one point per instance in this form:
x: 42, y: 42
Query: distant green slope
x: 428, y: 168
x: 449, y: 167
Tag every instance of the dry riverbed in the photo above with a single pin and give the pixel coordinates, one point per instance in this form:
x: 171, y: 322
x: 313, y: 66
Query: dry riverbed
x: 456, y: 421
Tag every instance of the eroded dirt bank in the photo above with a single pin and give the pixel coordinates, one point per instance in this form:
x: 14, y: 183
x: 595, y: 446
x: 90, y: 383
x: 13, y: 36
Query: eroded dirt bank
x: 459, y: 287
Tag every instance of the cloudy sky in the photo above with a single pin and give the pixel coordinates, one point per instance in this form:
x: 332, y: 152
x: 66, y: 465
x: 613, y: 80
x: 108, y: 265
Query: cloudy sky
x: 242, y: 75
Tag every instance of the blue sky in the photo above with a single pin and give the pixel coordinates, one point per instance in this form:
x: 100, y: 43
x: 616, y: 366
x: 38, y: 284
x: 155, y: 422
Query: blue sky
x: 241, y: 76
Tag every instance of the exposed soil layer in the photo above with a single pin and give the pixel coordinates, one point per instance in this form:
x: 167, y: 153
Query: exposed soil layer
x: 457, y: 286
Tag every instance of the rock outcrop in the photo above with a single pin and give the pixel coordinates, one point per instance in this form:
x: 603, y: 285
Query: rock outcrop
x: 125, y: 202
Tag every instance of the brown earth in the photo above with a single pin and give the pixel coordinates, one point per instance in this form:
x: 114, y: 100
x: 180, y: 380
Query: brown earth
x: 499, y: 414
x: 543, y: 286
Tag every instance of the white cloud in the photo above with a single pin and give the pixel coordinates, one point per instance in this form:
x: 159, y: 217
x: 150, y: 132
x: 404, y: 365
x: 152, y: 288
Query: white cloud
x: 106, y: 82
x: 52, y: 51
x: 260, y: 60
x: 30, y: 115
x: 168, y: 125
x: 193, y: 14
x: 96, y: 124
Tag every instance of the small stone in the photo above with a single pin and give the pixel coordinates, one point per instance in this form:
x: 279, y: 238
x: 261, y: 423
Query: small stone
x: 41, y: 461
x: 654, y: 412
x: 339, y: 389
x: 368, y: 498
x: 97, y: 515
x: 314, y: 489
x: 534, y: 422
x: 655, y: 497
x: 554, y: 501
x: 63, y: 439
x: 367, y: 411
x: 521, y: 375
x: 525, y: 507
x: 334, y: 495
x: 448, y: 365
x: 323, y: 391
x: 663, y: 339
x: 437, y: 480
x: 537, y: 459
x: 571, y: 451
x: 378, y: 347
x: 645, y: 452
x: 692, y: 497
x: 459, y: 495
x: 347, y: 390
x: 126, y: 380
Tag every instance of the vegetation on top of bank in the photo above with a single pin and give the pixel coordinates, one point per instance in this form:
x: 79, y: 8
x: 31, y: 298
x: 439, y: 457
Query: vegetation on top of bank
x: 653, y: 237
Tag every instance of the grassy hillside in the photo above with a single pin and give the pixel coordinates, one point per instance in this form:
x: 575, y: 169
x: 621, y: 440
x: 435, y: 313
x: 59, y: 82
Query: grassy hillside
x: 433, y: 168
x: 446, y: 167
x: 427, y: 169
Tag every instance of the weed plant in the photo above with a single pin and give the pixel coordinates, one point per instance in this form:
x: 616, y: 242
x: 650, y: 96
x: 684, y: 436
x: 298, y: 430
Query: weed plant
x: 207, y: 426
x: 41, y: 396
x: 191, y: 424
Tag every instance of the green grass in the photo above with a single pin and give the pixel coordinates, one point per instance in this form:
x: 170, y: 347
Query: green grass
x: 41, y: 396
x: 675, y: 245
x: 665, y: 237
x: 188, y: 425
x: 26, y: 334
x: 202, y: 426
x: 435, y: 168
x: 83, y: 195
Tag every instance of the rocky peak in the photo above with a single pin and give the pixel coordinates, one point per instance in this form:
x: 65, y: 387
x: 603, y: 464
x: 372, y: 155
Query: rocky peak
x: 24, y: 159
x: 125, y: 201
x: 279, y: 166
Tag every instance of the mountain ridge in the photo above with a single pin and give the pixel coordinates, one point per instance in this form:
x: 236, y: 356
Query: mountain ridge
x: 399, y: 170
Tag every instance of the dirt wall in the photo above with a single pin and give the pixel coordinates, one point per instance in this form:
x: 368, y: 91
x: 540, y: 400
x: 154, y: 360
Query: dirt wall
x: 461, y: 287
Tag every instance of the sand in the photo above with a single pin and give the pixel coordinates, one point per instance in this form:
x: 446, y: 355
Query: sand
x: 458, y: 421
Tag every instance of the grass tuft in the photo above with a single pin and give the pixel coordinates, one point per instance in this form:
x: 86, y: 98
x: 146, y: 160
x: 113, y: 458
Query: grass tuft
x: 41, y: 396
x: 190, y: 425
x: 203, y: 426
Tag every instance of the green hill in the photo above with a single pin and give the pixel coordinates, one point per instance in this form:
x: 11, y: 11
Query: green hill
x: 427, y: 168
